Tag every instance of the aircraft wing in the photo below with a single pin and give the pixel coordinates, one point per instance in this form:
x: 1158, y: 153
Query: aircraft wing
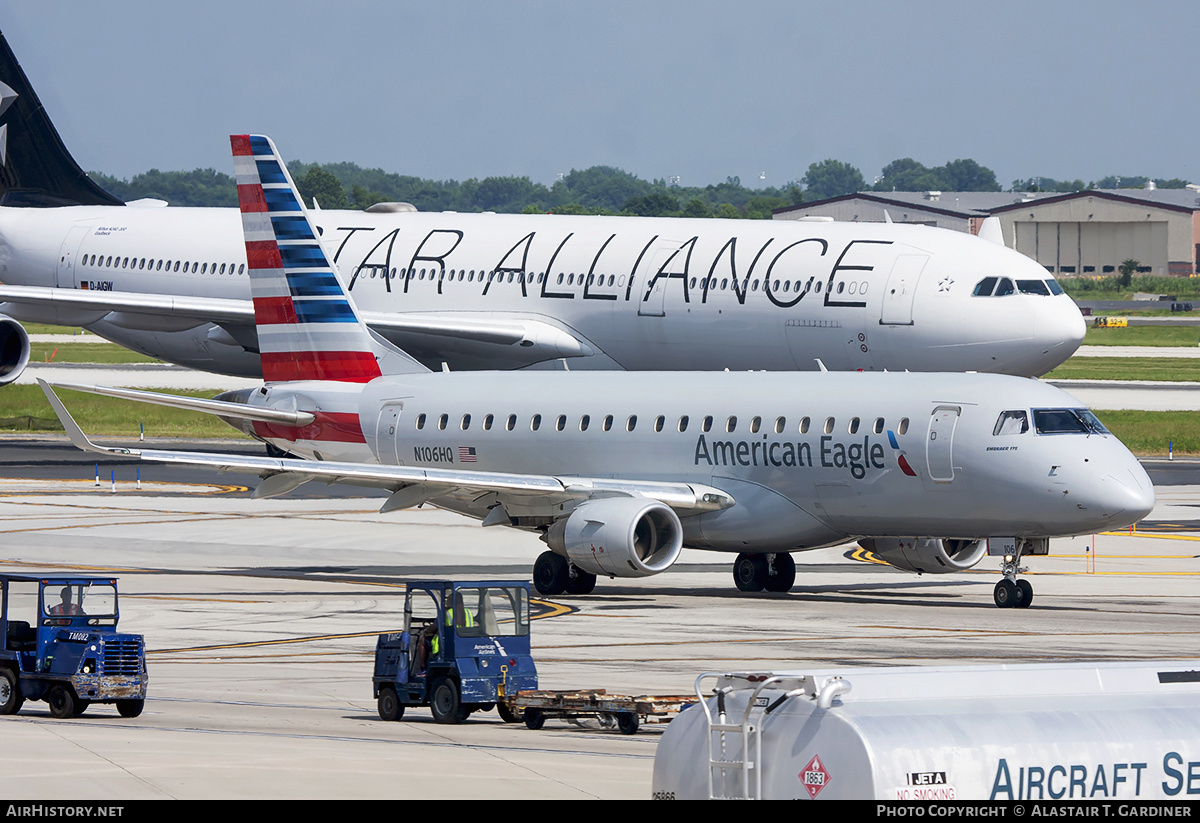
x: 412, y: 485
x: 432, y: 336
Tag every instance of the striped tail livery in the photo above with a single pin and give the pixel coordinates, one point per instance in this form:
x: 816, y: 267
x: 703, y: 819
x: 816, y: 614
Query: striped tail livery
x: 308, y: 329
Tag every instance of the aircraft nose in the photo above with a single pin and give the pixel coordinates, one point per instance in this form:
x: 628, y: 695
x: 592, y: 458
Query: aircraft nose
x: 1059, y: 329
x: 1122, y: 497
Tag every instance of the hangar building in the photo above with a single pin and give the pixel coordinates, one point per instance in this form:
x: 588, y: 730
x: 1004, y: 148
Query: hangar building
x: 1085, y: 232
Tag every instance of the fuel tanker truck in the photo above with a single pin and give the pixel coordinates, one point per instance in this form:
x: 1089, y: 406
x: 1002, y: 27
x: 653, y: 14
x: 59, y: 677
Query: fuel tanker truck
x: 1040, y: 732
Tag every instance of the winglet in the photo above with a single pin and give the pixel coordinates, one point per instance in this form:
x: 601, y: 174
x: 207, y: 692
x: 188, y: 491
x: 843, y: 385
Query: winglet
x: 78, y: 438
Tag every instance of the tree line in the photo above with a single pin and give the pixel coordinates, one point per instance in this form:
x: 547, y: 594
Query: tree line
x: 595, y: 190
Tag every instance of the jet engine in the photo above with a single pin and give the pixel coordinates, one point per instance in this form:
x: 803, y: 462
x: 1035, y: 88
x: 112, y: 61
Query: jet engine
x: 14, y: 349
x: 926, y: 555
x: 619, y: 537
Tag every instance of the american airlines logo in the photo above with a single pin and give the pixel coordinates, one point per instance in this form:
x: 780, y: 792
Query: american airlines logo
x: 828, y: 453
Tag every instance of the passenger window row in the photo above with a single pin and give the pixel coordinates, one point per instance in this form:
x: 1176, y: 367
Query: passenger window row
x: 607, y: 423
x: 144, y: 264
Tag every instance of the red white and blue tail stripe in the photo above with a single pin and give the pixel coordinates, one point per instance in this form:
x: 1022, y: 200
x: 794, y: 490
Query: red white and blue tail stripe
x: 308, y: 329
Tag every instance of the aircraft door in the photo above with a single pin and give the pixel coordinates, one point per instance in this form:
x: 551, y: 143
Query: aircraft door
x: 939, y: 445
x: 901, y: 289
x: 67, y: 274
x: 387, y: 433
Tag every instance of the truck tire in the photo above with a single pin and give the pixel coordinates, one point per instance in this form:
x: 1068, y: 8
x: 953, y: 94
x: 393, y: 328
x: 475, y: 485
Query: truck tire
x: 131, y: 708
x: 627, y: 723
x: 11, y: 698
x: 445, y: 702
x: 509, y: 714
x: 390, y: 707
x: 62, y: 701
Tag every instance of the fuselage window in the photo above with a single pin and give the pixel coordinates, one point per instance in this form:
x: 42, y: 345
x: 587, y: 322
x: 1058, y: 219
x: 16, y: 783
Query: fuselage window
x: 683, y: 424
x: 608, y: 423
x: 584, y: 422
x: 903, y: 427
x: 804, y: 424
x: 1011, y: 422
x: 731, y: 424
x: 879, y: 424
x: 466, y: 422
x: 706, y: 426
x: 443, y: 420
x: 487, y: 422
x: 631, y: 423
x: 204, y: 269
x: 659, y: 422
x: 109, y: 262
x: 222, y: 268
x: 853, y: 427
x: 561, y: 423
x: 780, y: 423
x: 511, y: 423
x: 125, y: 263
x: 535, y: 423
x: 829, y: 424
x: 755, y: 424
x: 159, y: 266
x: 142, y: 264
x: 984, y: 287
x: 242, y: 268
x: 420, y: 421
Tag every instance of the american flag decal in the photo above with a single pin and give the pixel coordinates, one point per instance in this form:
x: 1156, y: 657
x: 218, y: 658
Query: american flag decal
x: 466, y: 454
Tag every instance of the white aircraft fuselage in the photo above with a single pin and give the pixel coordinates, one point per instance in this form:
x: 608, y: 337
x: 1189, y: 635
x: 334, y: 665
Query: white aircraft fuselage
x: 507, y: 291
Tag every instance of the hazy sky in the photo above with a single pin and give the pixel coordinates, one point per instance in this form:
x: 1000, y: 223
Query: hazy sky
x: 700, y: 89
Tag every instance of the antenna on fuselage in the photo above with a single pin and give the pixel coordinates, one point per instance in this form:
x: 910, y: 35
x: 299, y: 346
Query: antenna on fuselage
x: 820, y: 365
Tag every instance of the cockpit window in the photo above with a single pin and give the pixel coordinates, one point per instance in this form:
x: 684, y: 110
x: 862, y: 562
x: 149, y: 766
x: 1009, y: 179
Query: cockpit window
x: 1012, y: 422
x: 1054, y: 287
x: 1067, y: 421
x: 1005, y: 287
x: 1033, y: 287
x: 984, y: 287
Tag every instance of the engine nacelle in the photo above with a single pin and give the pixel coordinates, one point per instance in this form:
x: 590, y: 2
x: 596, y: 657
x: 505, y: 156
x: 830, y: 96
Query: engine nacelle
x: 926, y: 555
x: 619, y: 537
x: 14, y: 349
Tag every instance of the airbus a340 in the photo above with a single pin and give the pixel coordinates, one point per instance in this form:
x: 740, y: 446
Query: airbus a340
x: 618, y: 470
x: 509, y: 291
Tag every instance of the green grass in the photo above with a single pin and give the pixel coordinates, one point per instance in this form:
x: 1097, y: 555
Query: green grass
x: 1105, y: 288
x: 85, y: 353
x: 46, y: 328
x: 1174, y: 369
x: 1148, y: 433
x: 1143, y: 336
x: 24, y: 408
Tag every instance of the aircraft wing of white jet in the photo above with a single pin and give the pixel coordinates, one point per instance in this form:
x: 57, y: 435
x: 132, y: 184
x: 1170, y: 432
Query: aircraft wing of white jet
x: 531, y: 334
x: 411, y: 485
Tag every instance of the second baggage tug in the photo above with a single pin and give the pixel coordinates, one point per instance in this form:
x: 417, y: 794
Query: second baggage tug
x: 618, y: 471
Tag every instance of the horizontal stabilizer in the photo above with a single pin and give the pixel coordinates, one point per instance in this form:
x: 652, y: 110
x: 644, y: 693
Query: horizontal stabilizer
x: 218, y: 407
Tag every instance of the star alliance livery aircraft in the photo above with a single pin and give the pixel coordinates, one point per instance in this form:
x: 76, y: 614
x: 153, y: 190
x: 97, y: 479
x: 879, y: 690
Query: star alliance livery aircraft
x: 618, y: 470
x: 509, y: 291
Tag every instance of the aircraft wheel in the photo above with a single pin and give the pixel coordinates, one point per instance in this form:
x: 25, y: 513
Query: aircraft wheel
x: 10, y: 692
x: 784, y: 575
x: 582, y: 583
x: 389, y: 705
x: 62, y: 702
x: 131, y: 708
x: 534, y: 718
x: 1025, y: 589
x: 1006, y: 594
x: 750, y: 572
x: 551, y: 573
x: 627, y: 723
x: 446, y: 703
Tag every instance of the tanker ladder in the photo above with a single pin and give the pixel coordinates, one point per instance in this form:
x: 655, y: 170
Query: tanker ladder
x: 725, y: 755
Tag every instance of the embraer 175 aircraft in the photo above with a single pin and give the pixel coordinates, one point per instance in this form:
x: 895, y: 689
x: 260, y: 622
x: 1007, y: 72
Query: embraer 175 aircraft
x: 508, y: 291
x: 618, y: 470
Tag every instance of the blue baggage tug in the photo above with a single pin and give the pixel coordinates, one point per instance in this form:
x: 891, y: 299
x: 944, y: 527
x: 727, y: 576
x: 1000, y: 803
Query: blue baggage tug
x: 464, y: 648
x: 72, y: 654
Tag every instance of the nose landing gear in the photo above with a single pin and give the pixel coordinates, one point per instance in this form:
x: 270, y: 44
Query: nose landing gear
x: 1011, y: 592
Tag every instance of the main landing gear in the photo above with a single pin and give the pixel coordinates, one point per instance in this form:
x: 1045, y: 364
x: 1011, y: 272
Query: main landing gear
x: 1011, y: 593
x: 773, y: 572
x: 555, y: 574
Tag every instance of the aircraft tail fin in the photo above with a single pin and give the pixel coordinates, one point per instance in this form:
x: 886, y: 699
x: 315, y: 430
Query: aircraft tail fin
x: 35, y: 167
x: 308, y: 327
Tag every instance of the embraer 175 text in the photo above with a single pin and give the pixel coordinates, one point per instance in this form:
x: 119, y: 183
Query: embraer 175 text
x: 509, y: 291
x: 618, y: 471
